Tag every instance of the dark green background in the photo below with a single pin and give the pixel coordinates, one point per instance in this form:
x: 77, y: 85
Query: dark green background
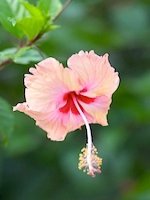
x: 34, y: 168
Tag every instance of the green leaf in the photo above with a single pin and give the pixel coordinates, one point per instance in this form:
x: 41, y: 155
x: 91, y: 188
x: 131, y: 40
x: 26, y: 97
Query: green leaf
x: 31, y: 26
x: 50, y: 27
x: 24, y: 19
x: 6, y: 121
x: 50, y: 7
x: 11, y: 12
x: 33, y: 10
x: 26, y: 55
x: 23, y: 55
x: 7, y: 54
x: 21, y: 18
x: 34, y: 23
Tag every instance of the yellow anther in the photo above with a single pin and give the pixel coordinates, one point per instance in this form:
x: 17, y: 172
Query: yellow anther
x: 95, y: 161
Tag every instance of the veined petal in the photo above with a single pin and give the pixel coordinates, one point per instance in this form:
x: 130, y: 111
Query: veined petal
x: 98, y: 109
x: 47, y: 84
x: 54, y: 131
x: 46, y: 87
x: 56, y: 124
x: 95, y: 72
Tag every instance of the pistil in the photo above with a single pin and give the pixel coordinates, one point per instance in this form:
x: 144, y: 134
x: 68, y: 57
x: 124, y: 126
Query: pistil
x: 88, y: 159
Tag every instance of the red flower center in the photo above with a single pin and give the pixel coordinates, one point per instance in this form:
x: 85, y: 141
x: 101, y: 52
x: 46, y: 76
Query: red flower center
x: 70, y: 106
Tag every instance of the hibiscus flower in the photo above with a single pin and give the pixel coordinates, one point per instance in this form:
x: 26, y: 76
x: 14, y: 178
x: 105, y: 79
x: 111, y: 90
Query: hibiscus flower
x: 61, y: 100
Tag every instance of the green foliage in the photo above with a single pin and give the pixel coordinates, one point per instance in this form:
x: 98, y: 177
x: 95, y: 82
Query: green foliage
x: 33, y: 24
x: 6, y: 121
x: 25, y: 20
x: 11, y: 13
x: 7, y: 54
x: 22, y: 18
x: 23, y: 55
x: 26, y: 55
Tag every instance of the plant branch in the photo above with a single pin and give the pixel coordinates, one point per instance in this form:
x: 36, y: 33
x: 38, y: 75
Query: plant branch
x: 66, y: 4
x: 5, y: 62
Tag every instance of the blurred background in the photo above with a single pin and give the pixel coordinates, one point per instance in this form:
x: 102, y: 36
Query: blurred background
x: 35, y: 168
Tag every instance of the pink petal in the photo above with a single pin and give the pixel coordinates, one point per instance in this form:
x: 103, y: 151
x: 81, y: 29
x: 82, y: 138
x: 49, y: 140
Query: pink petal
x: 95, y: 72
x: 47, y: 85
x: 45, y: 89
x: 98, y: 110
x: 56, y: 124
